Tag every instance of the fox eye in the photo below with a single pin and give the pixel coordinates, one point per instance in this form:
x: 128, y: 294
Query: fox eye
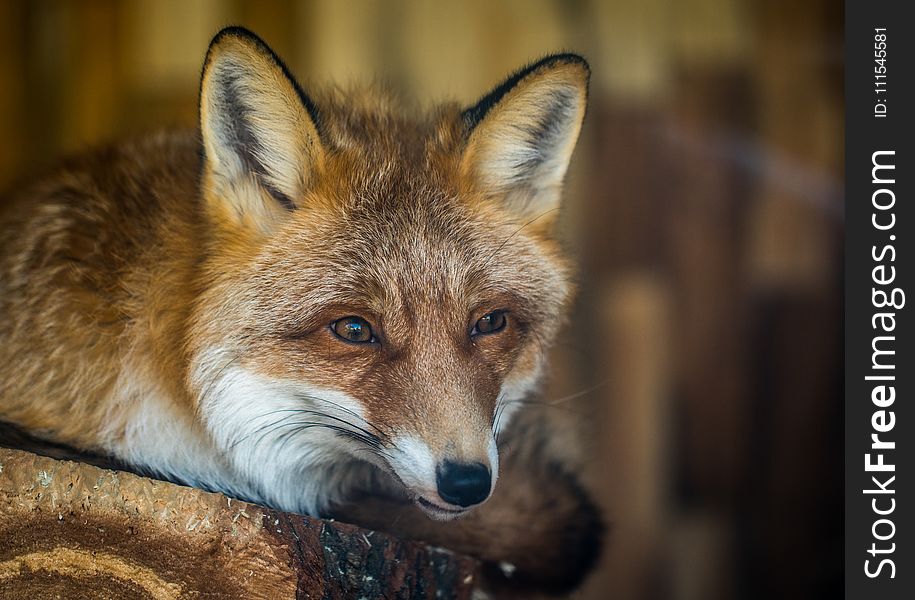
x: 490, y: 323
x: 353, y: 329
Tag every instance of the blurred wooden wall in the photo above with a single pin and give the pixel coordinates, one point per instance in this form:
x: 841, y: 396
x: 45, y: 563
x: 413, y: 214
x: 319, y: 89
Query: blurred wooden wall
x: 705, y: 204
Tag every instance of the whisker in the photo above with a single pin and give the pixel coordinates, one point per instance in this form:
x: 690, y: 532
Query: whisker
x: 517, y: 231
x: 318, y: 413
x: 299, y: 426
x: 258, y: 430
x: 351, y: 412
x: 342, y: 426
x: 578, y: 394
x: 549, y: 403
x: 500, y: 408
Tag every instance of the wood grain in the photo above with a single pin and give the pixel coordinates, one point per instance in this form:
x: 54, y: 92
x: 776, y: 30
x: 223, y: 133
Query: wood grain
x: 73, y: 530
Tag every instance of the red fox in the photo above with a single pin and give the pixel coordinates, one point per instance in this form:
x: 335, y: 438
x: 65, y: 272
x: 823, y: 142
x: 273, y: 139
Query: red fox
x: 314, y: 295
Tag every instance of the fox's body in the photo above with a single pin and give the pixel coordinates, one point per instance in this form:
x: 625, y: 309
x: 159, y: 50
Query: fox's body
x: 308, y: 293
x: 101, y: 272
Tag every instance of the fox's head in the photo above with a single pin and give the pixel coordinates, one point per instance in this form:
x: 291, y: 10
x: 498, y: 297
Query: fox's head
x: 381, y: 286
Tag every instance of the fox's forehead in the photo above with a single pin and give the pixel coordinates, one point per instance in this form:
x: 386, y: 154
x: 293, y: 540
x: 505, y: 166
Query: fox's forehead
x: 390, y: 241
x: 391, y: 200
x: 374, y: 121
x: 404, y: 252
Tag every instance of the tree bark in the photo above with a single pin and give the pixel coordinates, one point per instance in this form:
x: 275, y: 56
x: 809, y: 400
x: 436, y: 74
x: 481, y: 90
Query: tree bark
x: 73, y: 530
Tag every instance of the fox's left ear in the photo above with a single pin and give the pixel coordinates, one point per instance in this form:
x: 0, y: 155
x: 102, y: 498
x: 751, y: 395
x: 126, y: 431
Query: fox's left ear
x: 260, y: 135
x: 521, y: 135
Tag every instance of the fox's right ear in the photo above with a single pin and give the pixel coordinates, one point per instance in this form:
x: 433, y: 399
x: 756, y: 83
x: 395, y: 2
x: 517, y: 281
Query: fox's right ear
x: 260, y: 134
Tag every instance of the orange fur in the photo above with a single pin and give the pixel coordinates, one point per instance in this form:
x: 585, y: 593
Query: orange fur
x: 154, y: 290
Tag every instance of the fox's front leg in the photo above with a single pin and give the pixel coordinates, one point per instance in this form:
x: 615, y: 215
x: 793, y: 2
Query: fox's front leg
x: 539, y: 530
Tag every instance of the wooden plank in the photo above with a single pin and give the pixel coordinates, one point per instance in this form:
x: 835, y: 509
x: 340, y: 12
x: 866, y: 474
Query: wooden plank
x: 81, y: 531
x: 795, y: 225
x: 706, y: 224
x: 794, y: 265
x: 14, y: 150
x: 635, y: 319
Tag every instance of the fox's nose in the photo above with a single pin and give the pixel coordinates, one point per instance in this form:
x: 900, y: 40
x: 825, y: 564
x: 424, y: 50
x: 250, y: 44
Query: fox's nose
x: 463, y: 484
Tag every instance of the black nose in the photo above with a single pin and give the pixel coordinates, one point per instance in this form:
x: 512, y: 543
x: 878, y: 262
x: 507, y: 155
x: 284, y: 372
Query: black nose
x: 463, y: 485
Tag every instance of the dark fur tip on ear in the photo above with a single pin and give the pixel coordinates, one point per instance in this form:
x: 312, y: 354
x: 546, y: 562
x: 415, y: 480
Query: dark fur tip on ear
x: 473, y: 115
x: 236, y: 31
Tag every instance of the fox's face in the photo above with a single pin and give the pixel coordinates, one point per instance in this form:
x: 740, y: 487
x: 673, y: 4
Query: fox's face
x: 380, y: 288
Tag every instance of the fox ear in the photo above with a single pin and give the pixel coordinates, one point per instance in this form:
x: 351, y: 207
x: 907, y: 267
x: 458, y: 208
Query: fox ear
x: 522, y: 133
x: 259, y: 129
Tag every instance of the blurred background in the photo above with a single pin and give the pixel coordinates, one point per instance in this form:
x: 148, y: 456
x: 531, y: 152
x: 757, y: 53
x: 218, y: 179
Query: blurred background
x: 705, y: 205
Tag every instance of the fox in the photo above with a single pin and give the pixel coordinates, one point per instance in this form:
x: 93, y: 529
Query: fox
x: 327, y: 303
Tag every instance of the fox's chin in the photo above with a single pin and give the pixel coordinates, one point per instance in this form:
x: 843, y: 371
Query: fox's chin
x: 438, y: 512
